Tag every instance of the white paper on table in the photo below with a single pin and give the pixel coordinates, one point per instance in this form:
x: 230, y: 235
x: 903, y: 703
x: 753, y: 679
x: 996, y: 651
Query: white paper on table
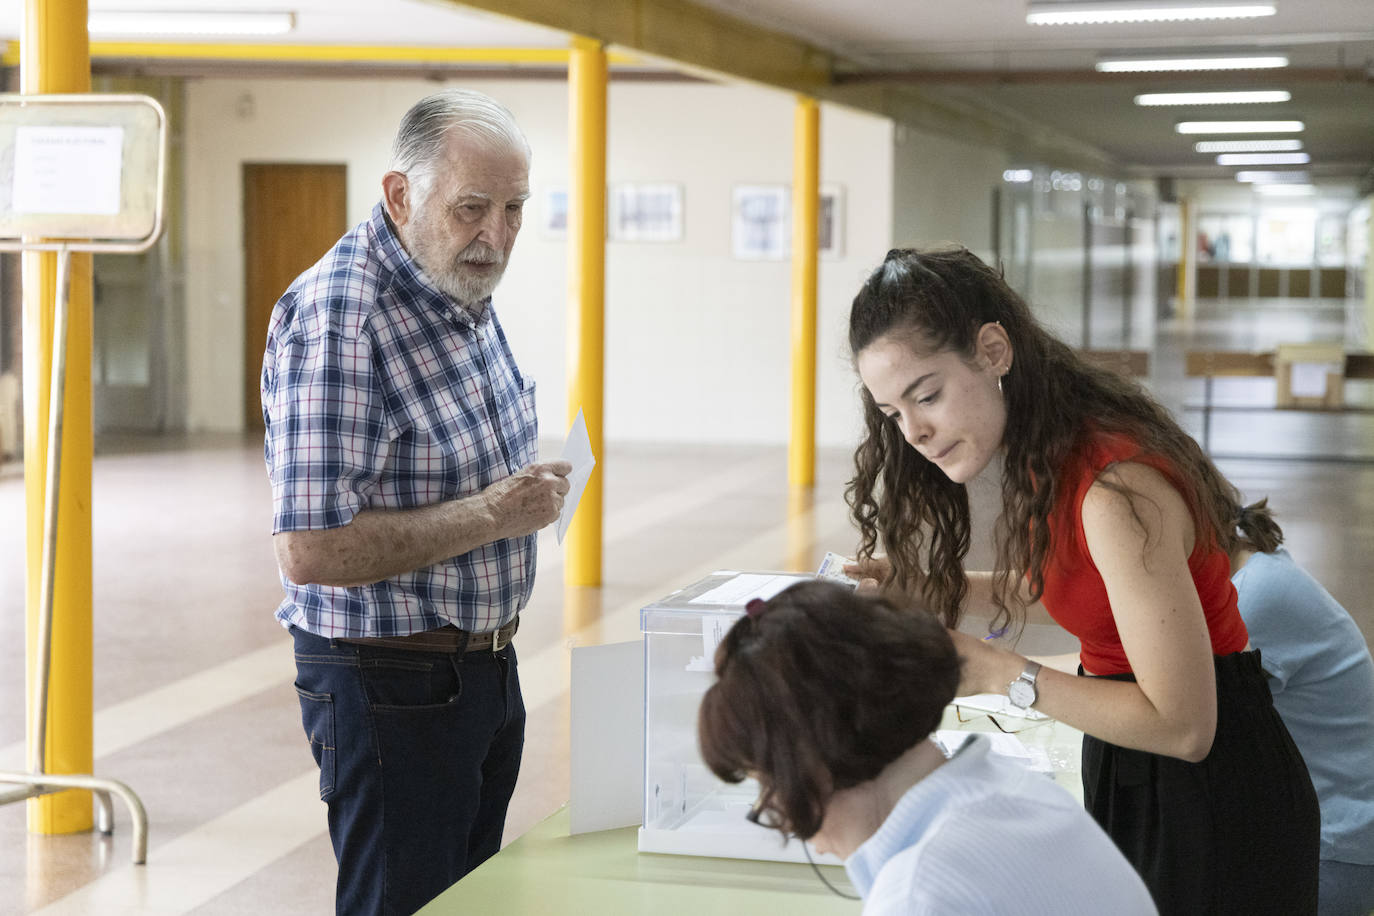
x: 1308, y: 380
x: 578, y: 451
x: 998, y: 704
x: 950, y: 740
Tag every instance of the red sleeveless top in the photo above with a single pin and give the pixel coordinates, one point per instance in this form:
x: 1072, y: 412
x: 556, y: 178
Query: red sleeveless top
x: 1075, y: 595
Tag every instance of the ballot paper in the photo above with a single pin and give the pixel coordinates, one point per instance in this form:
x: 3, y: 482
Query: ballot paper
x: 578, y: 451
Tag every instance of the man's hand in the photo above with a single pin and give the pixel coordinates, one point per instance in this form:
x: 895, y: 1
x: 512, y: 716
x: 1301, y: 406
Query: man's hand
x: 529, y: 499
x: 380, y: 543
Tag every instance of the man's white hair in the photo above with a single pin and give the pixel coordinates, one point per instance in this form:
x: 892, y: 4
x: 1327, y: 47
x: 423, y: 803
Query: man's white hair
x: 424, y: 130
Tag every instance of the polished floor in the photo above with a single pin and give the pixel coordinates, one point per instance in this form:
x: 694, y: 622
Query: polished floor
x: 193, y: 697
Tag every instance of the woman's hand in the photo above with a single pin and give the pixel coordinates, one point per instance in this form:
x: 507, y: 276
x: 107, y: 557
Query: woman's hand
x: 873, y: 574
x: 985, y: 668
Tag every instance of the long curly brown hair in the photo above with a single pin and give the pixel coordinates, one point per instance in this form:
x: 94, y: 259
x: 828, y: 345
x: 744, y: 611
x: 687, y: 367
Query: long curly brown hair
x: 937, y: 301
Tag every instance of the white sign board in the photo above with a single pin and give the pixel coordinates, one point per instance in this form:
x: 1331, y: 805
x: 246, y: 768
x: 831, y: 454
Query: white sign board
x: 67, y: 169
x: 83, y: 171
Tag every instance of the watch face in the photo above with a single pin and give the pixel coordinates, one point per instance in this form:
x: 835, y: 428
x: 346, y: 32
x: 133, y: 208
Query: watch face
x: 1021, y: 693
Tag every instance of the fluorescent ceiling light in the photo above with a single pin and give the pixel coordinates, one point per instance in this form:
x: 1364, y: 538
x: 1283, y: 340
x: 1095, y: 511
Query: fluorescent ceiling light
x: 1067, y: 12
x: 1247, y: 146
x: 1157, y: 64
x: 1285, y: 190
x: 1243, y: 97
x: 1238, y: 127
x: 1273, y: 177
x: 1263, y: 159
x: 185, y: 22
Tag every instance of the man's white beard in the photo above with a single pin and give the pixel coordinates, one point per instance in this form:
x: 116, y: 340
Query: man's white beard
x: 455, y: 280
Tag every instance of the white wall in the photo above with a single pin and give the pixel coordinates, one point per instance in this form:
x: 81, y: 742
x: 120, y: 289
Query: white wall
x: 697, y: 343
x: 943, y: 190
x: 943, y: 195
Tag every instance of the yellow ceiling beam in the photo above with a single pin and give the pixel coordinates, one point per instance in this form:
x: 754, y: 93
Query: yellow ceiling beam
x: 683, y: 32
x: 705, y: 39
x: 695, y: 38
x: 310, y: 53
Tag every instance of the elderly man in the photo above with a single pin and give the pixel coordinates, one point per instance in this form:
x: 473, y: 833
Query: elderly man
x: 401, y: 445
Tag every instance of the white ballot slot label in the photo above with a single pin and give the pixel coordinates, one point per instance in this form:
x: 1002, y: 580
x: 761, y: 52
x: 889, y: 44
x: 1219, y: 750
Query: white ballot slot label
x: 713, y: 630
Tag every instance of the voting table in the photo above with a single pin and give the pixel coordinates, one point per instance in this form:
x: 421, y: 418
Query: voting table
x: 693, y: 852
x: 548, y: 871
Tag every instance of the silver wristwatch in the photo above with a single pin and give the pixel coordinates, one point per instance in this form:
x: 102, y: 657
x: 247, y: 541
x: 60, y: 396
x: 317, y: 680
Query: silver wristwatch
x: 1021, y: 691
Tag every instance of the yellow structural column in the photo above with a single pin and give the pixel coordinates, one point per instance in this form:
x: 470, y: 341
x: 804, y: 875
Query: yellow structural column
x: 587, y: 290
x: 55, y: 58
x: 806, y: 170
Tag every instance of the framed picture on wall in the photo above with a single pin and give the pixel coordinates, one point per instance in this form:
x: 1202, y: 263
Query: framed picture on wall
x: 831, y: 221
x: 646, y: 212
x: 759, y: 222
x: 553, y: 213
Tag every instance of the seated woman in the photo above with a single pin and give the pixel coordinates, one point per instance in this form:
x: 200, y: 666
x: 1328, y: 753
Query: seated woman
x: 828, y: 698
x: 1322, y: 678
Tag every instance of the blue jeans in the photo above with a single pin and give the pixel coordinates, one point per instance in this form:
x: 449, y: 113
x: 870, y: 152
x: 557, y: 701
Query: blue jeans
x: 418, y: 754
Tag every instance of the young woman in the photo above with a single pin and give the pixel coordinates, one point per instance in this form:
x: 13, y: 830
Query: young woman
x: 828, y: 698
x: 1116, y: 522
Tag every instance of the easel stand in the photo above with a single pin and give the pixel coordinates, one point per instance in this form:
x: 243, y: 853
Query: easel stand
x: 35, y: 782
x: 127, y: 132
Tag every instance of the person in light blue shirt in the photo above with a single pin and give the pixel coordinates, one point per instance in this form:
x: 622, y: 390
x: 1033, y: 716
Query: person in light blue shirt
x: 828, y: 698
x: 1322, y: 679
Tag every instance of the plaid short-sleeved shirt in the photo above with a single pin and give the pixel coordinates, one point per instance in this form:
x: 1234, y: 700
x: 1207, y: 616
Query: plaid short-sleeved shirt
x: 380, y: 392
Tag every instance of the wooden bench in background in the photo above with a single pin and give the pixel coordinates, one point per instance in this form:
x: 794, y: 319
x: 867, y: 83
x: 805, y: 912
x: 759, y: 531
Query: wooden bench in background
x: 1131, y: 363
x: 1210, y: 364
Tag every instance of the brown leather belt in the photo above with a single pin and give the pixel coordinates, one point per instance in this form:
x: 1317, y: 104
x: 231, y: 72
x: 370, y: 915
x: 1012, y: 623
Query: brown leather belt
x: 447, y: 638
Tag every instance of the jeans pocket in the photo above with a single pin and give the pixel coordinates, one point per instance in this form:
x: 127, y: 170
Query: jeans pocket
x: 399, y: 684
x: 317, y: 716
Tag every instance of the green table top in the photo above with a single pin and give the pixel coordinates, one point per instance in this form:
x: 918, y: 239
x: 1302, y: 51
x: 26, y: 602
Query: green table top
x: 548, y: 872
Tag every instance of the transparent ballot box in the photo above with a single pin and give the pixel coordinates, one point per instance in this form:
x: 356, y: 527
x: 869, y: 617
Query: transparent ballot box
x: 687, y: 810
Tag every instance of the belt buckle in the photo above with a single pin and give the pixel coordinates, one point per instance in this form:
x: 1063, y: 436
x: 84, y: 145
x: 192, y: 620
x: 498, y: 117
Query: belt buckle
x: 500, y: 639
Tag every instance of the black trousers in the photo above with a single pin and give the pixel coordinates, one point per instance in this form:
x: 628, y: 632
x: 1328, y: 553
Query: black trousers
x: 1236, y: 832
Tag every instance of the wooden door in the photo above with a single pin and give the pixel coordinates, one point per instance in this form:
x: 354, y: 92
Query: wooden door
x: 292, y: 214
